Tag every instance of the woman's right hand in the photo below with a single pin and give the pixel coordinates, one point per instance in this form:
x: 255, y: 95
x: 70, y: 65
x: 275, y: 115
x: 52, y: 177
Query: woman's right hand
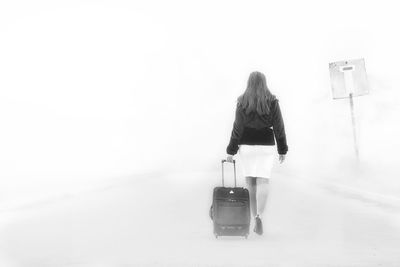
x: 282, y: 158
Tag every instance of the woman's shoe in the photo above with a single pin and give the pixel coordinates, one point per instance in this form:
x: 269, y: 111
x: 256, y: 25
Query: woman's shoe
x: 258, y: 227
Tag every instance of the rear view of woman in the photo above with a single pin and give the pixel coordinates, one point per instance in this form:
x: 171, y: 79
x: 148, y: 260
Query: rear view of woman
x: 258, y: 120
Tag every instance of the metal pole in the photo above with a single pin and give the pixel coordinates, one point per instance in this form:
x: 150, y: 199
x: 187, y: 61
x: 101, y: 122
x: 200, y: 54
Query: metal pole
x: 223, y: 184
x: 353, y: 121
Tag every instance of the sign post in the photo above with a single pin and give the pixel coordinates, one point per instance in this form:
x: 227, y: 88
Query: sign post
x: 349, y: 79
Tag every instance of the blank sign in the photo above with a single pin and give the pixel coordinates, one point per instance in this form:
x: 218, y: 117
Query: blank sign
x: 348, y: 77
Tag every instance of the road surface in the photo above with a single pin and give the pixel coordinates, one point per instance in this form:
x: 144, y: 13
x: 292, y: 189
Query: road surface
x: 163, y: 221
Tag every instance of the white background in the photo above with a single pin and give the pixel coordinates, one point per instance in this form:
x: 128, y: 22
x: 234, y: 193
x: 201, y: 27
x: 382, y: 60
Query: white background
x: 102, y: 88
x: 92, y: 91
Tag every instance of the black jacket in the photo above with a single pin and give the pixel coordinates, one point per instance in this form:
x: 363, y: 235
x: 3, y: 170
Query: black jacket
x: 253, y: 129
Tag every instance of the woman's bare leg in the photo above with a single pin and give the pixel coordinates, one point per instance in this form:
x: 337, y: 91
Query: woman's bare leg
x: 252, y: 186
x: 262, y: 194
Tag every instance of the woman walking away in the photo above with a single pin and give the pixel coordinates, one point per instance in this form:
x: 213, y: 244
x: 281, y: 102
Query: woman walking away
x: 258, y: 119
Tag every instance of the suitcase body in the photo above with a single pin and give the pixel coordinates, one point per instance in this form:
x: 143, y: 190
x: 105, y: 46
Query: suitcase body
x: 230, y: 210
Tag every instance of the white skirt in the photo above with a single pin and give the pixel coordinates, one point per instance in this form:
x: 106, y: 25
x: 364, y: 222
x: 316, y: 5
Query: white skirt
x: 257, y: 160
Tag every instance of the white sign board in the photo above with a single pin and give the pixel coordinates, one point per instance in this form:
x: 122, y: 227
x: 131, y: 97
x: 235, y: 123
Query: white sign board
x: 348, y: 77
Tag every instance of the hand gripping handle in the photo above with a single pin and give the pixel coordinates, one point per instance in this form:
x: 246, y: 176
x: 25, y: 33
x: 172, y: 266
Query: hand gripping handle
x: 234, y: 170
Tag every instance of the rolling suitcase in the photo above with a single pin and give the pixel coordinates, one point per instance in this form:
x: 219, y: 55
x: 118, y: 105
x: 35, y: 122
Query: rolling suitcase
x: 230, y: 210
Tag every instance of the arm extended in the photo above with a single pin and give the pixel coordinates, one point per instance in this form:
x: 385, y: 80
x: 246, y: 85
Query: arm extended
x: 279, y: 130
x: 237, y: 131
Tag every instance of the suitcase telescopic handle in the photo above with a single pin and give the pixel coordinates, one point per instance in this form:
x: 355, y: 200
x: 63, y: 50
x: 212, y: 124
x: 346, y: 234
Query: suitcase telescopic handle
x: 234, y: 170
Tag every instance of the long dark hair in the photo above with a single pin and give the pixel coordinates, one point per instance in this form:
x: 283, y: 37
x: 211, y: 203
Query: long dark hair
x: 257, y: 96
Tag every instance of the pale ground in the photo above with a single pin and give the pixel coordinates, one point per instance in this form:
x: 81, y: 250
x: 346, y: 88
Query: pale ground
x: 163, y: 221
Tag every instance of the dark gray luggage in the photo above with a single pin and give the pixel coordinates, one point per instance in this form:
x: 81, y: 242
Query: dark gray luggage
x: 230, y: 210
